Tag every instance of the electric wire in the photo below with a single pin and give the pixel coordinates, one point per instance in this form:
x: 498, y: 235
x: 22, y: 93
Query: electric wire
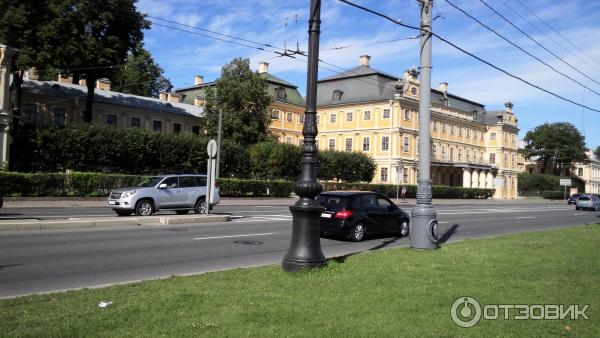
x: 397, y: 22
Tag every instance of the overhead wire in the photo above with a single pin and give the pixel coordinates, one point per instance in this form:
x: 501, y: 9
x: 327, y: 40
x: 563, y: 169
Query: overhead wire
x: 519, y: 47
x: 398, y: 22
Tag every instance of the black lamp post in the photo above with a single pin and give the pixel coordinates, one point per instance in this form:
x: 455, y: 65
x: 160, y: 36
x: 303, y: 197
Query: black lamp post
x: 305, y: 246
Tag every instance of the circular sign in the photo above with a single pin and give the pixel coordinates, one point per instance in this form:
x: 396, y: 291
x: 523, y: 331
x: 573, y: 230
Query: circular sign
x: 211, y: 148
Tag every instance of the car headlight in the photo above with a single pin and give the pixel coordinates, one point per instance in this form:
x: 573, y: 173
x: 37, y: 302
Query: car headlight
x: 128, y: 193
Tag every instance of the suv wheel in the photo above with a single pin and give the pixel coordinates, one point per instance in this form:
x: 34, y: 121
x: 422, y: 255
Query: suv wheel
x: 357, y: 232
x: 144, y: 208
x: 201, y: 206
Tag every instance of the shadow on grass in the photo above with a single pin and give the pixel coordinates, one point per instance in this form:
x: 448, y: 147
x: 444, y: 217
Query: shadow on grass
x: 446, y: 236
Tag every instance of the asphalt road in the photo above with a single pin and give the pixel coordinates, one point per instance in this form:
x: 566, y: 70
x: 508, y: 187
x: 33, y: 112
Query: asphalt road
x: 44, y: 261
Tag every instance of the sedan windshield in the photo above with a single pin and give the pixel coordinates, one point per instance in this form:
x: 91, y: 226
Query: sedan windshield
x: 150, y: 182
x: 583, y: 198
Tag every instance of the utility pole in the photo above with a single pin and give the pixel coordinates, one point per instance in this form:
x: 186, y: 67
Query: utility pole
x: 423, y: 230
x: 219, y: 136
x: 305, y: 245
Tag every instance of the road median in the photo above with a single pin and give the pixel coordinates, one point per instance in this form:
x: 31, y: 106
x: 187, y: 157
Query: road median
x: 105, y: 222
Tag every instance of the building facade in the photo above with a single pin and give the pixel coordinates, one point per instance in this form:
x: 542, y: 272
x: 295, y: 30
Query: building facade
x: 585, y: 175
x: 369, y: 111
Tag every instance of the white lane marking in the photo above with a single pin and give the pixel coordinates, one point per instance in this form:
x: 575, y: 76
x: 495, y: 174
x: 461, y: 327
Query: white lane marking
x: 442, y: 222
x: 579, y: 214
x: 262, y: 211
x: 525, y: 217
x: 494, y: 211
x: 248, y: 235
x: 235, y: 217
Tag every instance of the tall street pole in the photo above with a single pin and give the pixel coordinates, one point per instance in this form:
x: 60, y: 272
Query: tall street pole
x: 423, y: 231
x: 305, y: 246
x: 219, y: 137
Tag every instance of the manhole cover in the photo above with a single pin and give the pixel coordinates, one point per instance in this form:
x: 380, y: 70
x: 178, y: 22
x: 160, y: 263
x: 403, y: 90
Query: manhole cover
x: 249, y: 242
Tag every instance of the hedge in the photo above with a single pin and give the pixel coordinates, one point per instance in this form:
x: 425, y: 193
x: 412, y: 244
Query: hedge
x: 554, y: 195
x: 81, y: 184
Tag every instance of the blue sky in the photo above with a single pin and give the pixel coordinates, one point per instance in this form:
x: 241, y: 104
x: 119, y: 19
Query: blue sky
x: 284, y: 22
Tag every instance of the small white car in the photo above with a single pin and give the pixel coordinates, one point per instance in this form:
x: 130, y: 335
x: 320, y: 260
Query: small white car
x: 589, y: 202
x: 181, y: 193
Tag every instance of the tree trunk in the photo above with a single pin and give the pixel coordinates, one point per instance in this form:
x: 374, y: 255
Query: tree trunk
x: 544, y: 165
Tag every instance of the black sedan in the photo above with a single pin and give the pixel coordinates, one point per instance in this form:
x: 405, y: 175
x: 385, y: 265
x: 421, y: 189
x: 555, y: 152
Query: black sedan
x: 357, y: 213
x: 573, y: 199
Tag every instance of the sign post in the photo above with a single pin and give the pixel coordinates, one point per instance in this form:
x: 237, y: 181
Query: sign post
x: 565, y: 182
x: 211, y: 171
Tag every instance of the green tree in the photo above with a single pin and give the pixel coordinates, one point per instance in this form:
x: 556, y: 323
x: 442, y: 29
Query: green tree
x: 597, y: 152
x: 140, y: 75
x: 90, y: 38
x: 242, y: 95
x: 558, y: 142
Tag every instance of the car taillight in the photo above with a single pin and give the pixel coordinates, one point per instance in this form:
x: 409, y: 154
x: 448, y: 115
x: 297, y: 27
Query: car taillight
x: 343, y: 214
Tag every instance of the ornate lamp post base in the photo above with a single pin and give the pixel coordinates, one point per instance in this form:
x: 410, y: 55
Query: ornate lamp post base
x: 305, y: 248
x: 424, y: 228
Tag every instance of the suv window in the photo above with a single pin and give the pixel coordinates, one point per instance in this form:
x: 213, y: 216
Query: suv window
x: 171, y: 182
x: 584, y: 198
x: 187, y: 181
x: 332, y: 202
x: 384, y: 203
x: 200, y: 181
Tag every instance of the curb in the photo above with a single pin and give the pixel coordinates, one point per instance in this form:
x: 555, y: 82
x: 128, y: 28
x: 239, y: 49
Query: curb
x: 108, y: 222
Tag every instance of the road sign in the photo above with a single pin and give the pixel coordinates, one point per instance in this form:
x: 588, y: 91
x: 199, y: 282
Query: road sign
x: 565, y: 182
x: 211, y: 148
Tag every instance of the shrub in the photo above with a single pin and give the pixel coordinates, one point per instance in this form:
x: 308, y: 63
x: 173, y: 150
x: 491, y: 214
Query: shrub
x: 390, y: 190
x: 553, y: 195
x: 255, y: 188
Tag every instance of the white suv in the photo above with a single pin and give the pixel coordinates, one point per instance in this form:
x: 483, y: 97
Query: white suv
x: 181, y: 193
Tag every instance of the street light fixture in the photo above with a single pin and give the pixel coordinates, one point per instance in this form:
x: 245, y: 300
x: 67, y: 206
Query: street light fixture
x: 305, y: 246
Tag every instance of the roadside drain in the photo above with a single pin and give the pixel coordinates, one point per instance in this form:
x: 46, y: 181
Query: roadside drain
x: 248, y: 242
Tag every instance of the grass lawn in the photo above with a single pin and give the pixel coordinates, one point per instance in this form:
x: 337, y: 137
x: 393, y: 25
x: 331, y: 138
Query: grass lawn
x: 399, y: 292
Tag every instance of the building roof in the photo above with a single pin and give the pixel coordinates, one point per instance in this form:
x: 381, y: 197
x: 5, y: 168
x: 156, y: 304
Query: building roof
x: 292, y: 95
x: 358, y: 72
x: 67, y: 90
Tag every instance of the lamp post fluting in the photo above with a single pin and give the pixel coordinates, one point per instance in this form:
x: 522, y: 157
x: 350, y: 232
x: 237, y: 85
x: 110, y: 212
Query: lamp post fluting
x: 424, y: 225
x: 305, y: 245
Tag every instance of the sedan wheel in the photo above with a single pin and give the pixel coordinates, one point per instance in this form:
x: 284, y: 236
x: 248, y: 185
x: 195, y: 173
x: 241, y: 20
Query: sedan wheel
x: 201, y: 206
x: 357, y: 233
x: 144, y: 208
x: 403, y: 230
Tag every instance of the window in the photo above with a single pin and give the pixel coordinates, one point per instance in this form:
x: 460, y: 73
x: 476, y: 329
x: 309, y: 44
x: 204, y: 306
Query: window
x: 59, y: 116
x: 460, y: 129
x: 384, y: 174
x: 349, y: 116
x: 157, y: 126
x: 177, y: 128
x: 385, y: 143
x: 475, y: 156
x: 301, y: 118
x: 332, y: 118
x: 196, y: 130
x: 452, y: 129
x: 468, y: 155
x: 289, y: 117
x: 367, y: 115
x: 318, y: 119
x: 171, y: 182
x: 451, y: 154
x: 406, y: 144
x: 443, y: 127
x: 505, y: 160
x: 468, y: 132
x: 492, y: 136
x: 434, y: 151
x: 435, y: 125
x: 386, y: 114
x: 331, y: 144
x: 135, y: 122
x: 443, y: 152
x: 348, y: 144
x: 112, y: 120
x: 383, y: 202
x: 337, y: 95
x: 366, y: 144
x: 505, y: 137
x: 404, y: 175
x: 275, y: 114
x: 492, y: 158
x: 187, y: 181
x: 406, y: 114
x: 280, y: 92
x: 288, y: 140
x: 30, y: 113
x: 514, y: 161
x: 460, y: 154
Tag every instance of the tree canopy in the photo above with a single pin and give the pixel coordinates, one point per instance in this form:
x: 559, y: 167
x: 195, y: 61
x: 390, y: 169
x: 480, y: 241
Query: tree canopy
x: 140, y: 75
x: 242, y: 95
x: 597, y: 152
x: 559, y: 142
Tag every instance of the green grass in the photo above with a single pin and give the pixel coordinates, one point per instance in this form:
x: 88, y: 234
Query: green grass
x: 390, y: 293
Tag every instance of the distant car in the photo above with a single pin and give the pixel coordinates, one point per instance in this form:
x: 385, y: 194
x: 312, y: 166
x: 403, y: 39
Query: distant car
x: 588, y: 202
x: 181, y: 193
x: 355, y: 214
x: 573, y: 199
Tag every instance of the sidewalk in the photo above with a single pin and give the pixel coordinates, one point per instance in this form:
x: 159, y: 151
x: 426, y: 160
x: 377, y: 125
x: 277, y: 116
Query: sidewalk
x: 83, y: 202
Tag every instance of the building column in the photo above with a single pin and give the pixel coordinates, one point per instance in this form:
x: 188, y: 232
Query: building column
x: 482, y: 179
x: 466, y: 178
x: 490, y: 180
x: 475, y: 179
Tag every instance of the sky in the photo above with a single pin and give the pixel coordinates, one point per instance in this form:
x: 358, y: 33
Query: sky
x: 568, y: 29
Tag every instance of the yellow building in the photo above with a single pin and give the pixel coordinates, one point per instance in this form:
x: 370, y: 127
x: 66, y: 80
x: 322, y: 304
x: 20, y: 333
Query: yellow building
x: 367, y: 110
